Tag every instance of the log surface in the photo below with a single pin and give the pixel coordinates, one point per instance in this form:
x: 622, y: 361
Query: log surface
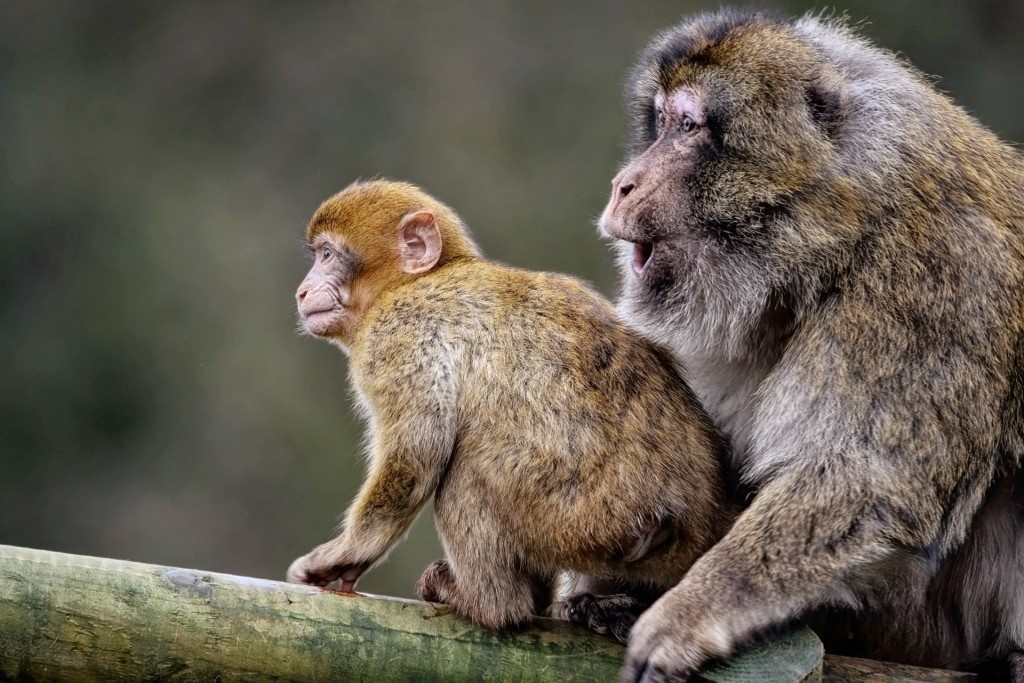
x: 854, y: 670
x: 75, y: 618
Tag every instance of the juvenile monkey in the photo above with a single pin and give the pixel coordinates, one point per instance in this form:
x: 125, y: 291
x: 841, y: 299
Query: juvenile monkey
x: 835, y: 251
x: 551, y: 435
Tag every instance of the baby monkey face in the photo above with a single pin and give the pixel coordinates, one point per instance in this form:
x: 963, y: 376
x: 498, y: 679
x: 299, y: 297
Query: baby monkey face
x: 324, y: 298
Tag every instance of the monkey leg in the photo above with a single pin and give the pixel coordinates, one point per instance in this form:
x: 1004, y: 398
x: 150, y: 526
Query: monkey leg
x: 494, y: 597
x: 437, y: 583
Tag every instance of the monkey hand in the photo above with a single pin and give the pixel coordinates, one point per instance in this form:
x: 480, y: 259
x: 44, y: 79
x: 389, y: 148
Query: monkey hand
x: 323, y: 566
x: 674, y: 638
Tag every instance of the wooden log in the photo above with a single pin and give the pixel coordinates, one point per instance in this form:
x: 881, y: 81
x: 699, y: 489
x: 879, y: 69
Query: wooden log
x: 854, y: 670
x: 73, y: 618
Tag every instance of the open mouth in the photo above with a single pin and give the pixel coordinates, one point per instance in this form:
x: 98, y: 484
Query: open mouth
x: 642, y: 252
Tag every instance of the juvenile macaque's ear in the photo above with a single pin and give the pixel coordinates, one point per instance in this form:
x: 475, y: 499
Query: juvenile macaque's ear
x: 419, y: 242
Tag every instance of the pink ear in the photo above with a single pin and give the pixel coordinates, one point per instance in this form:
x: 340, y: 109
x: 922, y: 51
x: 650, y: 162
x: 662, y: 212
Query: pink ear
x: 419, y: 242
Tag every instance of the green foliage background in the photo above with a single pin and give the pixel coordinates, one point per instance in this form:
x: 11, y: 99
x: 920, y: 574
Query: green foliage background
x: 159, y: 161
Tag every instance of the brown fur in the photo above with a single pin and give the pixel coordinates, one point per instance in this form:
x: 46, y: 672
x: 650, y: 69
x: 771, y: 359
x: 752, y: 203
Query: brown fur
x: 837, y: 258
x: 551, y: 436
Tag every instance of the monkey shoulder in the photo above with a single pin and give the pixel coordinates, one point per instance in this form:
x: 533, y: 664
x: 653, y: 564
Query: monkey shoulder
x: 410, y: 343
x: 609, y: 361
x: 894, y: 364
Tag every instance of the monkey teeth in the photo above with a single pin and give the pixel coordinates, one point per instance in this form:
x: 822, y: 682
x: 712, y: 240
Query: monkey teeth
x: 641, y: 256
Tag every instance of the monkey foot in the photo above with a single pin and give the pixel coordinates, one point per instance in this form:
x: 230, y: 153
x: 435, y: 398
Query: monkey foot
x: 608, y: 615
x: 437, y: 583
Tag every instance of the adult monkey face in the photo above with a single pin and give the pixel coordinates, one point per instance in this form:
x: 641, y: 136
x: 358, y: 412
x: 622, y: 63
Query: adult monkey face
x: 719, y: 153
x: 650, y: 195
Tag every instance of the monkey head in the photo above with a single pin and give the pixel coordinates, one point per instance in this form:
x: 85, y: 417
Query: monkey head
x: 735, y: 118
x: 370, y: 238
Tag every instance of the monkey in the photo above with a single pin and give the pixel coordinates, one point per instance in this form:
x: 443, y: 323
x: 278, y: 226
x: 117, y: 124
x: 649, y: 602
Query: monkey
x: 550, y: 435
x: 833, y: 251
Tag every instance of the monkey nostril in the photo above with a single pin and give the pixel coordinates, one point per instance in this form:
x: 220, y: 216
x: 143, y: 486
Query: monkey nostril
x: 626, y: 188
x: 302, y: 294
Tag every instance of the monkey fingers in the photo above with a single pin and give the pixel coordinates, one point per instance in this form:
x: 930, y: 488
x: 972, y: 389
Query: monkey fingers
x: 610, y: 615
x: 678, y: 635
x: 311, y: 570
x: 298, y: 571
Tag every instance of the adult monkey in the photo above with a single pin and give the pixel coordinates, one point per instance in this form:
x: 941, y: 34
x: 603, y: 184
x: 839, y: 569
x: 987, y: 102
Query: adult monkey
x: 835, y: 251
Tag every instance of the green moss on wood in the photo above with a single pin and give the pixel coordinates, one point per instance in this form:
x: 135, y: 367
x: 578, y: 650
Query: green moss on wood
x: 72, y: 618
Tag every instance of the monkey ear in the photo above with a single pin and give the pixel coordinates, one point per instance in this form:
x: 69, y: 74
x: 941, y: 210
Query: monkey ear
x: 419, y: 242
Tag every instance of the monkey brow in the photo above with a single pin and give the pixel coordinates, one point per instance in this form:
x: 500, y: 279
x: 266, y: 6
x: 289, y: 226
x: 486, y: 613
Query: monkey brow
x: 346, y: 256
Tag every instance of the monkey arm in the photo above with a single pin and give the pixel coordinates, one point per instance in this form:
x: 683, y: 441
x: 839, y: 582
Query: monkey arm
x: 788, y: 552
x: 406, y: 388
x: 412, y: 427
x: 407, y: 461
x: 793, y: 550
x: 853, y: 471
x: 407, y: 464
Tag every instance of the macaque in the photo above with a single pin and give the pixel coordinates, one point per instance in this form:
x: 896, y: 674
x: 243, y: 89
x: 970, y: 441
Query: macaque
x: 834, y: 251
x: 551, y: 436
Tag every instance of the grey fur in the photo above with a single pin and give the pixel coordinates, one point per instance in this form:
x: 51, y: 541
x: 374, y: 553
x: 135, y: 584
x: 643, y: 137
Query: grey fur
x: 862, y: 344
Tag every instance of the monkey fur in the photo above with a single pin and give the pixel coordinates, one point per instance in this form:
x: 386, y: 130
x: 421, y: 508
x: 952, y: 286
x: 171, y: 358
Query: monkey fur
x: 550, y: 435
x: 833, y: 249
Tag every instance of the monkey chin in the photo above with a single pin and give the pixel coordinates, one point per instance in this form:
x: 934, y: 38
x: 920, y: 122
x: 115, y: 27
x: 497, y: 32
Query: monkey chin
x: 325, y: 324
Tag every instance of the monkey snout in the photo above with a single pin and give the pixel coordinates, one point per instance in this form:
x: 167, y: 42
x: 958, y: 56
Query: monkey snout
x: 312, y: 301
x: 623, y: 185
x: 612, y: 222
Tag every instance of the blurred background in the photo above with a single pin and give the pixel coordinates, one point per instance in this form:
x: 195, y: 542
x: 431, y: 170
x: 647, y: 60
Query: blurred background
x: 159, y: 163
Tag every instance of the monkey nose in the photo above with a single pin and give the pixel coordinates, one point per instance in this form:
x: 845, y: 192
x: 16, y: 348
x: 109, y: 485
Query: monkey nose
x: 301, y: 294
x: 623, y: 184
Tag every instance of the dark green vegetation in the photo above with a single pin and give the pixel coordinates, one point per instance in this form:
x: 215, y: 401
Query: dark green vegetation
x: 159, y: 162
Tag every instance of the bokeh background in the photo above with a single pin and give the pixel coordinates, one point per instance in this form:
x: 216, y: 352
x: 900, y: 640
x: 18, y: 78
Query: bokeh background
x: 159, y: 162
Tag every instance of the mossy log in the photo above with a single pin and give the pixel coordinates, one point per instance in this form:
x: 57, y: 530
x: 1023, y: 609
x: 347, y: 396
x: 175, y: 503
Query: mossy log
x: 73, y: 618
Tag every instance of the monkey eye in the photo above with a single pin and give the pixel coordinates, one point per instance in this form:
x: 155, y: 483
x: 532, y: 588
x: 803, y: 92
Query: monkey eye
x: 326, y: 253
x: 661, y: 119
x: 688, y: 124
